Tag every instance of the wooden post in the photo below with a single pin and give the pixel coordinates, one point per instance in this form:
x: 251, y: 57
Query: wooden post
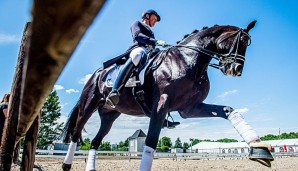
x: 29, y: 150
x: 10, y: 128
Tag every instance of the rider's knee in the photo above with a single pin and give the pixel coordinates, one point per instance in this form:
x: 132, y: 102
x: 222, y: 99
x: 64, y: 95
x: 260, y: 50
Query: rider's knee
x: 135, y: 59
x: 137, y: 55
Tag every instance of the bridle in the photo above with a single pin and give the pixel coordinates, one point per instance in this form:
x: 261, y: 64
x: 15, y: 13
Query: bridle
x: 229, y: 57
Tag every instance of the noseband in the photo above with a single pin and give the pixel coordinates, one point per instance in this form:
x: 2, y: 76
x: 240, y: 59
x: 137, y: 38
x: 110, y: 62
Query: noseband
x: 229, y: 57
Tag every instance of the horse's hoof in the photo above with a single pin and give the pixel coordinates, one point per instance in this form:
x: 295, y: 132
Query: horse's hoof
x: 66, y: 167
x: 265, y: 162
x: 261, y: 155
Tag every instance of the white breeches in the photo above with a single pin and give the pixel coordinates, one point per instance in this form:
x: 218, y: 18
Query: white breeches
x: 137, y: 54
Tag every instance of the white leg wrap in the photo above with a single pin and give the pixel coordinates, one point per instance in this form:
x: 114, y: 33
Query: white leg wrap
x: 91, y: 160
x: 147, y: 159
x: 137, y: 54
x: 243, y: 128
x: 70, y: 153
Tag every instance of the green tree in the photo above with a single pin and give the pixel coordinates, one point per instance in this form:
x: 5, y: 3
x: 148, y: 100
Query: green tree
x: 86, y: 144
x: 126, y: 143
x: 226, y: 140
x: 178, y: 143
x: 269, y: 137
x: 123, y: 146
x: 185, y: 147
x: 164, y: 144
x: 105, y: 146
x: 166, y: 141
x: 196, y: 141
x: 49, y: 129
x: 290, y: 135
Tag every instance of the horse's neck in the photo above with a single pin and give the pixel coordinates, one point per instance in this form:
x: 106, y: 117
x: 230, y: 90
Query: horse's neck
x: 196, y: 61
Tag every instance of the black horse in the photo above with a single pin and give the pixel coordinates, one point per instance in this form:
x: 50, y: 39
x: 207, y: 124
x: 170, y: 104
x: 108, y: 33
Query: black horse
x: 178, y: 82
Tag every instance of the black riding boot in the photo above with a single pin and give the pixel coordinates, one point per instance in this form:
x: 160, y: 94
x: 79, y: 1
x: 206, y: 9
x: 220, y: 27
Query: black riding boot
x: 122, y: 78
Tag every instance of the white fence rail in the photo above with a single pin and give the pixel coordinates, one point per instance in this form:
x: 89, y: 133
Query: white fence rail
x: 137, y: 155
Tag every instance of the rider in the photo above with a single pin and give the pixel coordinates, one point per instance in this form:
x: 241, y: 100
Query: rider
x: 144, y: 42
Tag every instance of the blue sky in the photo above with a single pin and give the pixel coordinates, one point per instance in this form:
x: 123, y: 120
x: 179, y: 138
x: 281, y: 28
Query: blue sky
x: 266, y: 91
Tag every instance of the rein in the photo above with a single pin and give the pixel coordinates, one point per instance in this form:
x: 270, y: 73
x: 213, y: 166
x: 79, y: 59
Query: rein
x: 222, y: 58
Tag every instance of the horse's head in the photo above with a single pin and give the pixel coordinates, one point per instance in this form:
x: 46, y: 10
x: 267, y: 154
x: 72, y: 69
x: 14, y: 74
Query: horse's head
x: 231, y: 46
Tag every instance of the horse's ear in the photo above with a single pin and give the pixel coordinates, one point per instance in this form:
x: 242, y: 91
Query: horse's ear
x: 250, y: 26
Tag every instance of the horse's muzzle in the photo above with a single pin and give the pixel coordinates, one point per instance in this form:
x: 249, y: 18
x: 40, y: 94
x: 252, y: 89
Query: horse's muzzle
x: 235, y: 69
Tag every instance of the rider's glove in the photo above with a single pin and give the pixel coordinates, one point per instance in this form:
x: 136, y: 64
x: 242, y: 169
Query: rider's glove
x: 161, y: 43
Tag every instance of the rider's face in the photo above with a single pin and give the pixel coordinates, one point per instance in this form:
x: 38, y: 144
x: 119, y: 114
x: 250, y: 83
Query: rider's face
x: 153, y: 20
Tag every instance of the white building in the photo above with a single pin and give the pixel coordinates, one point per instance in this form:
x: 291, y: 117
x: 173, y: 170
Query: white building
x: 286, y: 145
x: 219, y: 147
x: 137, y: 141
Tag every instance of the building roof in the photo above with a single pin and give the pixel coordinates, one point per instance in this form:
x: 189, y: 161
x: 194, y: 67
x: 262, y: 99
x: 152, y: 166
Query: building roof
x: 137, y: 134
x: 283, y: 142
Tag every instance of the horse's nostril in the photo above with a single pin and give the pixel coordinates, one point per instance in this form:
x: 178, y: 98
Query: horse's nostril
x: 238, y: 68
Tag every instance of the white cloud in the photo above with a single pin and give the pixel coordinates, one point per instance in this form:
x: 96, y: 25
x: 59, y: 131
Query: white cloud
x: 6, y: 38
x: 227, y: 93
x: 85, y: 79
x: 58, y: 87
x: 71, y: 91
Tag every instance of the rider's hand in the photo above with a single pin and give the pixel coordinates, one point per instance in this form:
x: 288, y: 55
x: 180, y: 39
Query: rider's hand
x: 161, y: 43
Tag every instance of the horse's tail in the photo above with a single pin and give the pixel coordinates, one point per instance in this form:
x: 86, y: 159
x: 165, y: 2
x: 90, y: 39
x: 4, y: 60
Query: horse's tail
x: 70, y: 124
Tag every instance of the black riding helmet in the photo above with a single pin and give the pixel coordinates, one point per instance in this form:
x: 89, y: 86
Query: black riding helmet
x: 150, y: 12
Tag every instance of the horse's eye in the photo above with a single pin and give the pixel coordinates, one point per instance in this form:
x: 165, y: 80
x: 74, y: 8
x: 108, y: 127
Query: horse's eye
x: 245, y: 39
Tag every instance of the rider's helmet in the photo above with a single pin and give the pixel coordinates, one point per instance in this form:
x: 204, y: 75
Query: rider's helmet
x: 150, y: 12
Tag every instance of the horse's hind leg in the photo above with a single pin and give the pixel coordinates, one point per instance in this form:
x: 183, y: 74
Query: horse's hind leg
x: 85, y: 113
x: 107, y: 120
x: 90, y: 100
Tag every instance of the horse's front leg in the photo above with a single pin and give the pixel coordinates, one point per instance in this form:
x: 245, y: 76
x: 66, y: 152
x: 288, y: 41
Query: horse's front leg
x: 243, y: 128
x: 156, y: 121
x: 226, y: 112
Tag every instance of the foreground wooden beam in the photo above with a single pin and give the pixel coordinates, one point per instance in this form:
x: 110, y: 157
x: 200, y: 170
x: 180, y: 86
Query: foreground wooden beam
x: 57, y: 28
x: 11, y: 123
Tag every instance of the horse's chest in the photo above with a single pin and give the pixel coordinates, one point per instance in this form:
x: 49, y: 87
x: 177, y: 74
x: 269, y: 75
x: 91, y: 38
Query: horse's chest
x: 187, y: 91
